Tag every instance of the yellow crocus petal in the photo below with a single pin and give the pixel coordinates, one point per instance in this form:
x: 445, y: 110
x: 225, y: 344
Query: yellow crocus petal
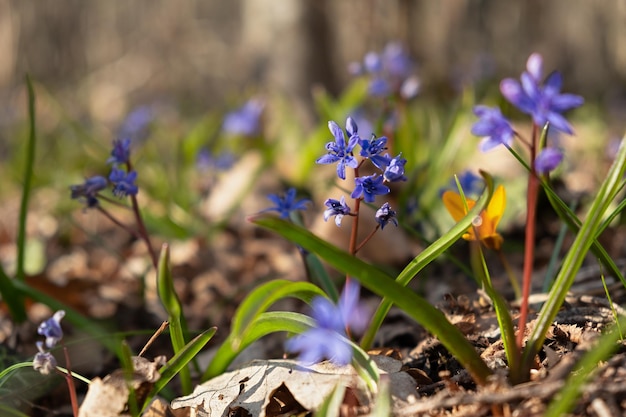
x: 485, y: 226
x: 454, y: 205
x: 496, y: 206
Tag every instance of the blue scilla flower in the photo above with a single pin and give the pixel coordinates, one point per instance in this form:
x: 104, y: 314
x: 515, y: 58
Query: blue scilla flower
x: 493, y: 127
x: 123, y: 183
x: 287, y: 203
x: 51, y: 329
x: 337, y: 208
x: 547, y: 160
x: 340, y: 151
x: 328, y: 338
x: 384, y: 215
x: 544, y: 102
x: 88, y: 191
x: 395, y: 169
x: 121, y: 152
x: 369, y: 187
x: 373, y: 148
x: 245, y: 121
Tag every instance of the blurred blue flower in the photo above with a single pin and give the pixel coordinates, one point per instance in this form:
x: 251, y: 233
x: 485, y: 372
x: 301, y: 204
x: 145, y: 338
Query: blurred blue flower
x: 328, y: 339
x: 339, y: 151
x: 245, y: 121
x: 391, y: 72
x: 543, y: 102
x: 493, y: 127
x: 206, y: 160
x: 121, y: 152
x: 547, y: 160
x: 51, y: 329
x: 123, y: 183
x: 287, y: 203
x: 88, y: 191
x: 43, y: 362
x: 372, y: 150
x: 395, y: 170
x: 385, y: 215
x: 369, y: 187
x: 135, y: 125
x: 337, y: 208
x: 471, y: 184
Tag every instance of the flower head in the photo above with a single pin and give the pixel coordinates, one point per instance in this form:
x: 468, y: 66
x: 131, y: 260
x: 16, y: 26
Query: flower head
x: 123, y: 183
x: 484, y: 226
x: 51, y: 329
x: 547, y: 160
x: 245, y: 121
x: 136, y: 125
x: 395, y: 170
x: 544, y: 102
x: 328, y: 338
x: 385, y: 215
x: 369, y: 187
x: 340, y: 151
x: 44, y: 362
x: 287, y: 203
x: 493, y: 127
x: 373, y: 148
x: 337, y: 208
x: 121, y: 152
x: 88, y: 191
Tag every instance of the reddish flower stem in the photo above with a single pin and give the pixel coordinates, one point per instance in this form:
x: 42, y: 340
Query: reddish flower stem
x: 70, y: 383
x: 529, y: 242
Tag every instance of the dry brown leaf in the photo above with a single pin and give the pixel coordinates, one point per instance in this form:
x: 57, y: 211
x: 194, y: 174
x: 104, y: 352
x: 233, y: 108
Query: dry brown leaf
x: 261, y: 385
x: 108, y: 397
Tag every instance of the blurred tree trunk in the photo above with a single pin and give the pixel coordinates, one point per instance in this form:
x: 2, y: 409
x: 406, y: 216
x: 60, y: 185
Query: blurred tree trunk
x: 287, y: 43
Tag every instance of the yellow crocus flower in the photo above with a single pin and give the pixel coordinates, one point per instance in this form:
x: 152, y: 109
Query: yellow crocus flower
x: 483, y: 226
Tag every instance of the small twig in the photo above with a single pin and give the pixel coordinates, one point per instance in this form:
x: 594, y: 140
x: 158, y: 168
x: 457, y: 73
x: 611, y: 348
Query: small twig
x: 156, y: 334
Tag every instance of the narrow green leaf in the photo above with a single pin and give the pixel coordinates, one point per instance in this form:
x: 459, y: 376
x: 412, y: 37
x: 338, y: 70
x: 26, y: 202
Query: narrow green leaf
x: 179, y: 361
x: 129, y: 369
x: 382, y: 284
x: 575, y: 256
x: 427, y: 256
x: 262, y: 297
x: 171, y: 302
x: 320, y: 276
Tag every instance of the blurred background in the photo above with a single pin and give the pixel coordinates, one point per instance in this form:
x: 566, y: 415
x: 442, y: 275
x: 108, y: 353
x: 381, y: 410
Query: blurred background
x: 101, y: 58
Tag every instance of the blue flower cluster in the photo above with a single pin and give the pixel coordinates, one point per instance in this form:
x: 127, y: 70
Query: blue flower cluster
x: 341, y: 152
x: 121, y: 178
x: 44, y: 362
x: 542, y: 100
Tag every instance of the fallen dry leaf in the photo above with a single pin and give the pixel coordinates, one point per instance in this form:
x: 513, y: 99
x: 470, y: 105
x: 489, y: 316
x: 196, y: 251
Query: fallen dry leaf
x: 267, y: 388
x: 108, y: 397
